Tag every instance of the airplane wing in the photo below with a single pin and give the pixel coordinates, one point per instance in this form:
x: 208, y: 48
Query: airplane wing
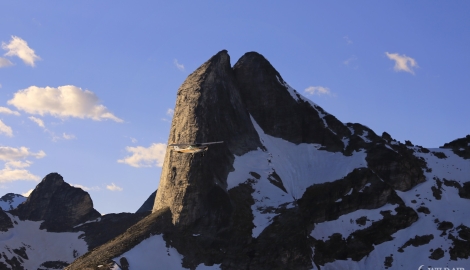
x: 194, y: 144
x: 181, y: 144
x: 197, y: 144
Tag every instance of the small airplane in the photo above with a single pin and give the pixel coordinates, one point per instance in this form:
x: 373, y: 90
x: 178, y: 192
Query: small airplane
x: 190, y: 148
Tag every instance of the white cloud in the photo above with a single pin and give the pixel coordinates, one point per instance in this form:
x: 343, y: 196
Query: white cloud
x: 319, y: 91
x: 178, y: 65
x: 170, y: 112
x: 5, y: 62
x: 14, y: 167
x: 85, y: 188
x: 145, y: 157
x: 27, y: 193
x: 5, y: 129
x: 6, y: 110
x: 9, y: 174
x: 68, y: 136
x: 10, y: 153
x: 349, y: 60
x: 133, y: 140
x: 63, y: 101
x: 113, y: 187
x: 19, y: 47
x: 402, y: 62
x: 17, y: 164
x: 37, y: 121
x: 348, y: 41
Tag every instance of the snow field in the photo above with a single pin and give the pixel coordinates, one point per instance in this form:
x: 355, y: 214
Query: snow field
x: 40, y: 245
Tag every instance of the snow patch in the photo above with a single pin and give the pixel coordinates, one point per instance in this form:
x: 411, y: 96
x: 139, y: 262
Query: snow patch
x: 346, y: 224
x: 291, y: 90
x: 89, y: 221
x: 298, y: 166
x: 152, y: 253
x: 364, y: 136
x: 40, y: 245
x: 16, y: 200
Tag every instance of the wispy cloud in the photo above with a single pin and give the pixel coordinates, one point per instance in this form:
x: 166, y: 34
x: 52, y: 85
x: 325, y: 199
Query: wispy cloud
x: 178, y: 65
x: 63, y: 101
x: 11, y: 174
x: 18, y: 164
x: 4, y: 129
x: 113, y: 187
x: 11, y: 153
x: 15, y: 164
x: 319, y: 91
x: 37, y: 121
x: 18, y: 47
x: 27, y: 193
x: 402, y: 62
x: 145, y: 156
x: 6, y: 110
x: 133, y: 140
x: 349, y: 60
x: 5, y: 62
x: 86, y: 188
x: 170, y: 112
x: 348, y: 40
x: 66, y: 136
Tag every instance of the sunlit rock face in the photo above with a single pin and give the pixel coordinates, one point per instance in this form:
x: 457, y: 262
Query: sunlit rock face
x: 60, y: 205
x: 208, y: 108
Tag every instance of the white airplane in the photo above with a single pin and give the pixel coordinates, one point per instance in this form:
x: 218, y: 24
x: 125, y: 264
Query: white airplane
x: 190, y: 148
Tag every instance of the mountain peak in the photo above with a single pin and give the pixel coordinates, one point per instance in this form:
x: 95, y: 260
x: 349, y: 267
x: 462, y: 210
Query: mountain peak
x: 208, y: 108
x: 60, y: 205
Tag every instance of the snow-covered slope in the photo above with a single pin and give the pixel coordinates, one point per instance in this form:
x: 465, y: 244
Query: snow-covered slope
x: 10, y: 201
x: 27, y: 246
x: 283, y: 171
x: 439, y: 238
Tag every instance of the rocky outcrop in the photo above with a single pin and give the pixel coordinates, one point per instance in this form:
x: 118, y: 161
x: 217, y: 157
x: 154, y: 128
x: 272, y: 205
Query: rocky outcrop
x: 58, y: 204
x: 106, y: 227
x: 101, y: 258
x: 460, y: 147
x: 280, y: 111
x: 5, y: 221
x: 148, y: 204
x: 397, y: 166
x: 208, y: 108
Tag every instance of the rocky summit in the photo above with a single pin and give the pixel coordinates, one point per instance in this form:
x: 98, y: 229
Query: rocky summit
x: 291, y: 187
x: 58, y: 204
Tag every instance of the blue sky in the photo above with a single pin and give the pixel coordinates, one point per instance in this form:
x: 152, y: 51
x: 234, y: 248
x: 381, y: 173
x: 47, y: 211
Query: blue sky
x: 87, y: 87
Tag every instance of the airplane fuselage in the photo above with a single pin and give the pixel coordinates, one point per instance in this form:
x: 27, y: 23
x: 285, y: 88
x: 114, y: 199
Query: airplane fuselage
x: 190, y: 149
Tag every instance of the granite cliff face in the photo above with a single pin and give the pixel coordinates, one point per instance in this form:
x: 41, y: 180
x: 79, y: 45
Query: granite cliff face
x: 292, y: 187
x: 208, y: 108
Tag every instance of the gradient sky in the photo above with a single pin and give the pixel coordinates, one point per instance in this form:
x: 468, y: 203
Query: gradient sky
x: 87, y: 87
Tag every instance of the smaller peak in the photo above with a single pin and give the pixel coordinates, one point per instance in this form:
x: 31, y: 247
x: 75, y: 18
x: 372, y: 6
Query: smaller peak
x: 256, y: 63
x: 254, y: 57
x: 221, y: 57
x: 53, y: 177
